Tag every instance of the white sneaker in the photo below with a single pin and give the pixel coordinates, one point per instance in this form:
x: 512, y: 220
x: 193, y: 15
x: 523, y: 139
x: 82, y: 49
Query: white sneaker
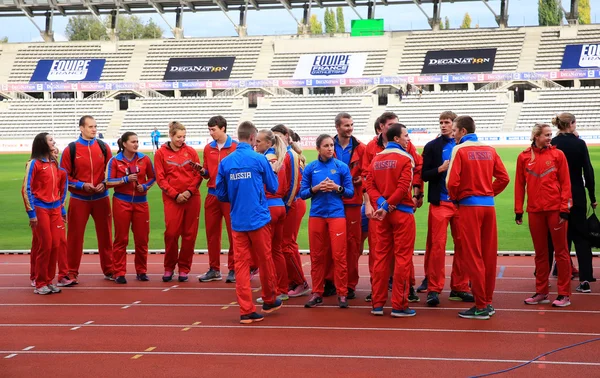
x: 33, y: 283
x: 54, y: 289
x: 43, y: 290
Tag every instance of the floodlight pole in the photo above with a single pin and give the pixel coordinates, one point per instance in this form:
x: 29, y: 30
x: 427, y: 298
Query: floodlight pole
x: 501, y: 20
x: 178, y: 30
x: 48, y: 34
x: 573, y: 15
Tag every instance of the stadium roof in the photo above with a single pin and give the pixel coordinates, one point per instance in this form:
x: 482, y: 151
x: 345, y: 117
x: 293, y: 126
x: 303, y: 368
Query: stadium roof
x: 98, y: 7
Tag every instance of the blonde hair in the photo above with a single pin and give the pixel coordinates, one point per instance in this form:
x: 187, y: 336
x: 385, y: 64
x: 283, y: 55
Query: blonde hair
x: 279, y: 146
x: 174, y: 127
x: 563, y: 121
x: 536, y: 132
x: 298, y: 150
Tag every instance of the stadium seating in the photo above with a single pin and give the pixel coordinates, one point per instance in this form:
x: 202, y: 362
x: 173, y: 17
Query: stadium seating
x: 245, y: 50
x: 552, y: 47
x: 582, y: 102
x: 26, y: 118
x: 115, y: 68
x: 314, y: 114
x: 509, y: 43
x: 488, y: 108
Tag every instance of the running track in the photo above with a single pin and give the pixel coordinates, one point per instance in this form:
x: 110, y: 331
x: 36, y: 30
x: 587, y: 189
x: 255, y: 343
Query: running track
x: 156, y: 329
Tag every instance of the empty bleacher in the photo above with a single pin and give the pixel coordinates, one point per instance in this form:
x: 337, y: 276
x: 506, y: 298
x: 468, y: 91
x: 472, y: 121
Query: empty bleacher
x: 245, y: 50
x: 314, y: 114
x: 488, y: 108
x: 509, y: 43
x: 584, y: 103
x: 115, y: 68
x: 552, y: 46
x: 60, y: 117
x: 193, y: 112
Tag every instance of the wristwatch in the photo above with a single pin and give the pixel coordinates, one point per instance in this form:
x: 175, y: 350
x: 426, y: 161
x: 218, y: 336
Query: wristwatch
x: 340, y: 189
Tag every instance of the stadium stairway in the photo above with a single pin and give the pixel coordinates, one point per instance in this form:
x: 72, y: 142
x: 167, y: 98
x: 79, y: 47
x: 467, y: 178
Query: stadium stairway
x: 114, y: 126
x: 512, y: 115
x: 531, y: 45
x: 138, y: 58
x: 265, y: 58
x: 394, y: 54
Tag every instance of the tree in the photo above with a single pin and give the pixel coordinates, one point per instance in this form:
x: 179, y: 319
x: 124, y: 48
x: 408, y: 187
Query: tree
x: 446, y: 23
x: 466, y: 23
x: 4, y: 40
x: 341, y: 25
x: 84, y: 28
x: 329, y: 18
x: 315, y: 26
x: 549, y: 13
x: 584, y: 12
x: 441, y: 24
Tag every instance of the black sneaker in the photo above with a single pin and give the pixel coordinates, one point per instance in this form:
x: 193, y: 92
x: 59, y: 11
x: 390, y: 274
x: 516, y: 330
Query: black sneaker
x: 412, y: 295
x: 268, y: 308
x: 343, y: 302
x: 314, y: 301
x: 433, y: 299
x: 584, y: 287
x: 351, y: 294
x: 461, y: 296
x: 368, y: 297
x: 423, y: 287
x: 211, y: 275
x: 329, y: 289
x: 491, y: 310
x: 251, y: 318
x: 121, y: 280
x: 475, y: 313
x: 142, y: 277
x: 230, y: 277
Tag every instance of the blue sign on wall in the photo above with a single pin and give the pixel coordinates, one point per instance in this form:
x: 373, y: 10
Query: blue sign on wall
x: 68, y: 70
x: 581, y: 56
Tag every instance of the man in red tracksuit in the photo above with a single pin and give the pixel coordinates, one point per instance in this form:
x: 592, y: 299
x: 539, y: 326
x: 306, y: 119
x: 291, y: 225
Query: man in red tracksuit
x: 89, y: 196
x: 470, y: 183
x: 214, y: 210
x: 374, y: 147
x: 389, y: 184
x: 350, y: 150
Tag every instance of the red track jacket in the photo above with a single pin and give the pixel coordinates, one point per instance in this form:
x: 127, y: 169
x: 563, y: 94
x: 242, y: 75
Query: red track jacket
x: 545, y: 172
x: 356, y: 170
x: 45, y: 185
x: 390, y: 179
x: 90, y: 167
x: 119, y: 168
x: 174, y: 173
x: 212, y: 156
x: 472, y: 166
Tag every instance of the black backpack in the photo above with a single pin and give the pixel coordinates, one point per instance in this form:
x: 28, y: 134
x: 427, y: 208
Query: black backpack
x: 594, y: 230
x: 73, y: 152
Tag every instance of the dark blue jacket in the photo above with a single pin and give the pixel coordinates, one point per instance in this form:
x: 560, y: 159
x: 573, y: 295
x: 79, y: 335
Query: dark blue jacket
x: 433, y: 157
x: 241, y: 181
x: 327, y: 204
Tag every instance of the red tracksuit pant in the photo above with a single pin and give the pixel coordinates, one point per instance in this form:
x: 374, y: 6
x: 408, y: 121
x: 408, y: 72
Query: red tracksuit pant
x: 63, y: 268
x: 439, y: 217
x: 479, y: 236
x: 137, y: 217
x: 214, y: 212
x: 540, y: 223
x: 78, y: 214
x: 353, y: 248
x: 181, y: 220
x: 277, y: 222
x: 257, y: 243
x: 395, y: 245
x: 328, y: 234
x: 49, y: 231
x: 372, y: 240
x: 291, y: 227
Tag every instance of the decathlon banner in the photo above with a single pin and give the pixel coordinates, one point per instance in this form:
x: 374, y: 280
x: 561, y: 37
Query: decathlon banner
x: 455, y: 61
x: 68, y: 70
x: 581, y: 56
x: 182, y: 69
x: 330, y: 66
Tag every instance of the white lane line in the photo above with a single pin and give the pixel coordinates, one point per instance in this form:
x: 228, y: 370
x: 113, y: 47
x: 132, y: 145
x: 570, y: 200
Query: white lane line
x: 29, y: 348
x: 324, y: 356
x: 75, y: 328
x: 10, y: 355
x: 79, y: 326
x: 88, y: 322
x: 318, y: 328
x: 172, y: 287
x: 134, y: 303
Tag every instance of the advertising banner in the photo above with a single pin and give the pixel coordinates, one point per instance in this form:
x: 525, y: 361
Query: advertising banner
x: 581, y: 56
x: 182, y: 69
x: 330, y: 66
x: 68, y: 70
x: 456, y: 61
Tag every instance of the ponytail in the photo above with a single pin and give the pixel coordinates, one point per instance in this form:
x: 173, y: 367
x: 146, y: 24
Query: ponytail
x: 280, y: 151
x: 563, y: 121
x: 124, y: 138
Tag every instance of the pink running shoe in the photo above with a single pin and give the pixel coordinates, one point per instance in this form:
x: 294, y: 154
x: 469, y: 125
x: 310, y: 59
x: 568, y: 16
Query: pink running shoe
x: 561, y: 301
x: 537, y: 299
x: 64, y: 282
x: 299, y: 290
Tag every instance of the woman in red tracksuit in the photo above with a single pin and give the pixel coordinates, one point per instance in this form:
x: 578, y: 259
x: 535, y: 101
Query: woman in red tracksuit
x: 44, y: 193
x: 274, y: 149
x: 177, y: 174
x: 543, y: 170
x: 131, y: 174
x: 325, y: 181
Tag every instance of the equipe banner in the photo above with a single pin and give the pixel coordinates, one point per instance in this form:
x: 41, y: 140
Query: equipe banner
x: 334, y: 66
x: 182, y: 69
x: 581, y: 56
x: 68, y: 70
x: 456, y: 61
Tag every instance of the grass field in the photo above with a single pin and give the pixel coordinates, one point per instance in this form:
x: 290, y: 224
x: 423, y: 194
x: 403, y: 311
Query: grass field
x: 15, y: 233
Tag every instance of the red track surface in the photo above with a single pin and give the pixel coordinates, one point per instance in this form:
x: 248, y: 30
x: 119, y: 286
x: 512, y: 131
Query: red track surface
x: 144, y: 330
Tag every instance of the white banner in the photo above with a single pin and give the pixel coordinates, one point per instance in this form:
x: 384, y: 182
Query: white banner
x: 330, y: 66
